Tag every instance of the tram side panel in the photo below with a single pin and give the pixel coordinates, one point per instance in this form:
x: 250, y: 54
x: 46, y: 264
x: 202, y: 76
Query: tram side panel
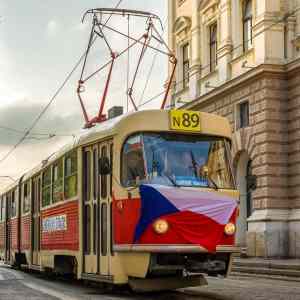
x: 59, y: 227
x: 26, y: 236
x: 14, y: 237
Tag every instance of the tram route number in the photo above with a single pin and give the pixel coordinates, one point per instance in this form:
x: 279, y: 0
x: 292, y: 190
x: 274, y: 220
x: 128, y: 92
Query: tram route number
x: 185, y: 120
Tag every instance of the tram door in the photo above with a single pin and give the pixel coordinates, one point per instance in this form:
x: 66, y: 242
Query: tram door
x: 89, y: 258
x: 96, y: 212
x: 105, y: 242
x: 35, y: 213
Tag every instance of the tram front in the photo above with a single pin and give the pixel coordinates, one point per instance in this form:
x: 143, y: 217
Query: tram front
x: 184, y: 210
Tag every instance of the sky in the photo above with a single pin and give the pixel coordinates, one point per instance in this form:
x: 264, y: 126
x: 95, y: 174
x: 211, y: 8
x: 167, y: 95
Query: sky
x: 40, y: 43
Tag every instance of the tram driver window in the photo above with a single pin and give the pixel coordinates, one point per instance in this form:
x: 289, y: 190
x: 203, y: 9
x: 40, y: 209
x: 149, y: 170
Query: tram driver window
x: 133, y: 165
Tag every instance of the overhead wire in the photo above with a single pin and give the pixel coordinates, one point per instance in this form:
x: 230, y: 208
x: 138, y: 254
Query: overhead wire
x: 283, y: 19
x: 27, y: 132
x: 152, y: 65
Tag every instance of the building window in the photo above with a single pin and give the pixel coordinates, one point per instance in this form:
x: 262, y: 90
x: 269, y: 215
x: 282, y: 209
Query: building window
x: 247, y: 25
x: 243, y: 115
x: 185, y: 65
x: 285, y: 41
x: 213, y: 45
x: 180, y: 2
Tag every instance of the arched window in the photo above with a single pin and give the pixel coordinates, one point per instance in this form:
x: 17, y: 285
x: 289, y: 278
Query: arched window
x: 247, y: 25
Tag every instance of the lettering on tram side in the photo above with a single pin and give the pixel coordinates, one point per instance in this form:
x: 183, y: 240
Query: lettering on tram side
x: 55, y: 223
x: 185, y: 120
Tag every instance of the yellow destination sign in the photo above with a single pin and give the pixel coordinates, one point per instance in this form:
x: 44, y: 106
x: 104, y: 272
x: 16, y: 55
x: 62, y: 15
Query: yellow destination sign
x: 185, y: 120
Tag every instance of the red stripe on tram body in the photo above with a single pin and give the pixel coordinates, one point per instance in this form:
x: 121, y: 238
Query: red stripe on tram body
x: 61, y: 239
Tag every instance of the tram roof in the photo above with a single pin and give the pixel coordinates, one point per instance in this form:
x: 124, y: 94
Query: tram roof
x: 217, y: 124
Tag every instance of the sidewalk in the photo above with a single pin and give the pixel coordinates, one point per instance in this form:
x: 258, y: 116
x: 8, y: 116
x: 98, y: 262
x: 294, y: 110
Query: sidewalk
x: 283, y: 269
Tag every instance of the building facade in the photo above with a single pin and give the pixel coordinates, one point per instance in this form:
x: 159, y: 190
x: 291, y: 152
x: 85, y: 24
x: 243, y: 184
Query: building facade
x: 241, y: 59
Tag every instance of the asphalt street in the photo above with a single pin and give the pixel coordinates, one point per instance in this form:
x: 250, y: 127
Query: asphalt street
x: 17, y: 285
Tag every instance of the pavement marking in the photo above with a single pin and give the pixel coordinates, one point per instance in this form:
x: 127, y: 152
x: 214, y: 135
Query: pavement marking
x: 49, y: 291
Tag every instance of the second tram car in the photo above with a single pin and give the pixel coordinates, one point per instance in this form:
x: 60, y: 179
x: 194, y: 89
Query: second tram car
x: 147, y: 198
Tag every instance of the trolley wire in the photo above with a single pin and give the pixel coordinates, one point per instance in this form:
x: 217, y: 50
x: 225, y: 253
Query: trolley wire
x: 37, y: 119
x: 281, y: 20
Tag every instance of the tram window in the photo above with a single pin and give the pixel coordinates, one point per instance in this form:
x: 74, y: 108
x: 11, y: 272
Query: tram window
x: 111, y: 158
x: 26, y: 200
x: 46, y: 189
x: 133, y: 165
x: 86, y: 175
x: 0, y: 208
x: 103, y: 177
x: 111, y: 229
x: 87, y: 229
x: 95, y: 221
x: 95, y: 174
x: 71, y: 175
x: 104, y: 229
x: 13, y: 205
x: 57, y: 181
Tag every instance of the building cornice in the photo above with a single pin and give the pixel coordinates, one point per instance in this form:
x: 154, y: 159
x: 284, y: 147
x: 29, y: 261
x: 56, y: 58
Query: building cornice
x: 272, y: 70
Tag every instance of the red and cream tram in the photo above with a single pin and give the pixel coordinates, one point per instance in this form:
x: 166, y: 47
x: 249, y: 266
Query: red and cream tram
x: 146, y: 198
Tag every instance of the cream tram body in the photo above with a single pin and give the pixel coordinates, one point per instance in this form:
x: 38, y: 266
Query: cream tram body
x: 60, y: 216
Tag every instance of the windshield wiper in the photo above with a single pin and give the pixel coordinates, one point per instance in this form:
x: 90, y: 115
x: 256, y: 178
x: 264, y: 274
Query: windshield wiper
x: 172, y: 180
x: 213, y: 182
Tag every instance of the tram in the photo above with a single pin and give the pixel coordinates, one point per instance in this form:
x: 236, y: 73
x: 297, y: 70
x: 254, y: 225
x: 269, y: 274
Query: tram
x: 146, y: 199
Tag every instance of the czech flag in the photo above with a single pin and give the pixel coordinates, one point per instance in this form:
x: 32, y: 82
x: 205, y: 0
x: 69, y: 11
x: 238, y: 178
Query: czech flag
x: 194, y: 217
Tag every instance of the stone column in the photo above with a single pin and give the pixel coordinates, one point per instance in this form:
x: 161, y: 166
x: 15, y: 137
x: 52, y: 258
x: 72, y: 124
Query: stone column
x: 268, y: 41
x: 195, y: 66
x: 225, y: 41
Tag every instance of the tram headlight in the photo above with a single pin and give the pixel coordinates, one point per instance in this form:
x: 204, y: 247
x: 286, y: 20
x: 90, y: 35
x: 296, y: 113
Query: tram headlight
x: 229, y: 229
x: 161, y: 226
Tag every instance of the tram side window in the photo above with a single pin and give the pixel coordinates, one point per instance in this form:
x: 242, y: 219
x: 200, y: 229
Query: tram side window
x: 104, y: 229
x: 2, y: 208
x: 57, y: 181
x: 133, y: 165
x: 46, y: 189
x: 95, y: 174
x: 111, y: 158
x: 103, y: 177
x: 13, y: 204
x: 71, y: 175
x: 26, y: 198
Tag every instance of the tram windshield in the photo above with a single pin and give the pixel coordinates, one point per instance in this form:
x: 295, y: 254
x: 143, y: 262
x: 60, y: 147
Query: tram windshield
x: 177, y: 159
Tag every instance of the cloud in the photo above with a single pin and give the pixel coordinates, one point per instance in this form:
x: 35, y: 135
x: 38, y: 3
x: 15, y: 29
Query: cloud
x: 52, y: 27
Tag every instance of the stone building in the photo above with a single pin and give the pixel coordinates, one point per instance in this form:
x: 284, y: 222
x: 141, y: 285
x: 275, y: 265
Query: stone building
x: 241, y: 59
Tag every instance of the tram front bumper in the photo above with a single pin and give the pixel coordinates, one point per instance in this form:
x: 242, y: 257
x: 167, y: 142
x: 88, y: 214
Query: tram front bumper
x: 166, y: 283
x: 174, y: 248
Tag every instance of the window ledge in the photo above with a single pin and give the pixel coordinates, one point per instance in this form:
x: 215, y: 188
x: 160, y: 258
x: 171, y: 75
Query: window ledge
x: 242, y: 55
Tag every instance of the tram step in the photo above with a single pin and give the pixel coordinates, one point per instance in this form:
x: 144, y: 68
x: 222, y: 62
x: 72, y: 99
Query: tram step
x: 97, y: 277
x: 167, y: 283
